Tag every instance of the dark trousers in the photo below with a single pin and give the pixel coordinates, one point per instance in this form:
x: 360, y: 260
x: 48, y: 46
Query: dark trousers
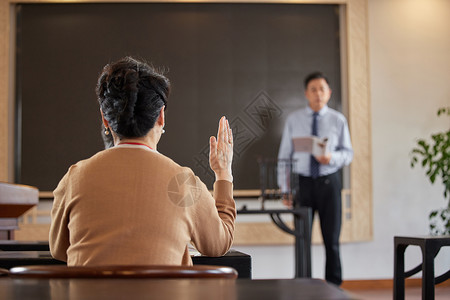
x: 323, y: 195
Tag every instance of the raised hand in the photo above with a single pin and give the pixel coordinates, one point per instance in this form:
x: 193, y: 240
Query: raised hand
x: 221, y: 151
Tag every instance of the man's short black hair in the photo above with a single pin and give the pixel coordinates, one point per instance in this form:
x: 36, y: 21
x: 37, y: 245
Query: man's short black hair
x: 315, y: 75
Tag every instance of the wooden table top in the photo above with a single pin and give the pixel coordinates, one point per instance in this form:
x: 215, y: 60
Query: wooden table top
x: 198, y: 289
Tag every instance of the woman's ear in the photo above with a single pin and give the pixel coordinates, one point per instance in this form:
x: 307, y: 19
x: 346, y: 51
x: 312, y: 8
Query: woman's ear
x: 161, y: 119
x: 105, y: 122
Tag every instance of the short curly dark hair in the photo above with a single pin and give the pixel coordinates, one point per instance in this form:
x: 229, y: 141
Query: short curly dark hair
x: 131, y: 94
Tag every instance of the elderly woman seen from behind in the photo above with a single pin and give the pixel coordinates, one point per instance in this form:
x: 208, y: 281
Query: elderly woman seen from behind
x: 129, y: 204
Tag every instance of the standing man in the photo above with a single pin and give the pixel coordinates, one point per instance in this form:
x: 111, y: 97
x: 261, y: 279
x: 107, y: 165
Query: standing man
x: 319, y: 183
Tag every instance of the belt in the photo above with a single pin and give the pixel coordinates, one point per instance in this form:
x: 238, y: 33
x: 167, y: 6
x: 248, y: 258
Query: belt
x: 320, y: 178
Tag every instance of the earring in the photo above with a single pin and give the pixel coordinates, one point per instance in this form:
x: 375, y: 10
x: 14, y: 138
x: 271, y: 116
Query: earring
x: 106, y: 131
x: 162, y: 131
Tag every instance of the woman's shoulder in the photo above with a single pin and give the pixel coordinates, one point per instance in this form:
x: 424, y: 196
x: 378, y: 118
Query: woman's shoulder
x: 139, y: 155
x: 131, y: 158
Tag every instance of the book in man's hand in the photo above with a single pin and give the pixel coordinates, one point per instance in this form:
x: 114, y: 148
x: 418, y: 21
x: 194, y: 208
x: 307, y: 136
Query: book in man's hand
x: 310, y: 144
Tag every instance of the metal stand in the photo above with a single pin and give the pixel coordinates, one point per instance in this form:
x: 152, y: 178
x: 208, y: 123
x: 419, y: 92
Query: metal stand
x: 301, y: 231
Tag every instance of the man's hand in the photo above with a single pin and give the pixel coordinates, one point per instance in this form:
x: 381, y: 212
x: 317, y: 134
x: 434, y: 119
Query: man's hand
x: 287, y: 200
x: 324, y: 159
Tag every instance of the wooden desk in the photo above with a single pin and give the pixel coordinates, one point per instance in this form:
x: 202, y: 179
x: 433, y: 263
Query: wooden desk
x: 241, y: 262
x: 15, y: 200
x: 302, y: 233
x: 196, y: 289
x: 7, y: 245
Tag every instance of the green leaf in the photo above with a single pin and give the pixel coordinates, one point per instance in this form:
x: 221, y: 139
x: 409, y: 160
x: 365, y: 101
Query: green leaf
x: 443, y: 110
x: 419, y: 152
x: 422, y: 143
x: 434, y: 157
x: 433, y: 178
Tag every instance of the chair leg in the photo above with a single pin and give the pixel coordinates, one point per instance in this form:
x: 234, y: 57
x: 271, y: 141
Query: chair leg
x: 399, y: 271
x: 428, y: 254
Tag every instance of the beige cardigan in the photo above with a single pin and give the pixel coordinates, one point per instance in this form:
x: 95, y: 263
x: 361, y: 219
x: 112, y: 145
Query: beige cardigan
x: 129, y: 205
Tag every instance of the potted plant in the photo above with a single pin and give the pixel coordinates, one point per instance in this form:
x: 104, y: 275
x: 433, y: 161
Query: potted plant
x: 434, y: 156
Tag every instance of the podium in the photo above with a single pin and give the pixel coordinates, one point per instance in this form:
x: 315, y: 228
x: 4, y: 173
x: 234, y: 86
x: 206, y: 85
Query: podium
x: 15, y: 200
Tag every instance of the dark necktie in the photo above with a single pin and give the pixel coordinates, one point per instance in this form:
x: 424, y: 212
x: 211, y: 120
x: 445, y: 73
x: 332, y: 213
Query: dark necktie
x: 314, y: 163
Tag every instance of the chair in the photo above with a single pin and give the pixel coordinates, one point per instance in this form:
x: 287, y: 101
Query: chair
x: 3, y: 272
x: 272, y: 170
x: 152, y: 271
x: 430, y: 246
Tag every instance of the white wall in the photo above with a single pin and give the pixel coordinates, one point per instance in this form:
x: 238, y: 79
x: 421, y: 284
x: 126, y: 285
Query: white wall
x: 410, y: 80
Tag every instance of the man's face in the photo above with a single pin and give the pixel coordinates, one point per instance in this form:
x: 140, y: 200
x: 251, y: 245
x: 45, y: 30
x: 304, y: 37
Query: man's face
x: 318, y: 93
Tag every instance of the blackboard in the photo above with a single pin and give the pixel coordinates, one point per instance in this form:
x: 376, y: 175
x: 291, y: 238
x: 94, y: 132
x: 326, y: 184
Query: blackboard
x: 245, y: 61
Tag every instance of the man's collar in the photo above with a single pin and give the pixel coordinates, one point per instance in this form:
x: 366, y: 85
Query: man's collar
x: 321, y: 112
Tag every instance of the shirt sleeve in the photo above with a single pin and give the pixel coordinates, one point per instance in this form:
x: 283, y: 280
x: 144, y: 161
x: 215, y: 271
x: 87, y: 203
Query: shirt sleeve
x: 343, y: 154
x: 284, y: 154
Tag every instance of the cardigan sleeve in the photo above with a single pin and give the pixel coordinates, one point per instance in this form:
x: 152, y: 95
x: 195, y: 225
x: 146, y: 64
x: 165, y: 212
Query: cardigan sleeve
x: 59, y: 232
x: 213, y: 220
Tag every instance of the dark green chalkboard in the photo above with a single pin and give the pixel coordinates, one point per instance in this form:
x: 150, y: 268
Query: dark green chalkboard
x: 245, y: 61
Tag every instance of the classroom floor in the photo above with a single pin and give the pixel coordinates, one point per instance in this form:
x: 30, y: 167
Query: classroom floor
x: 411, y: 293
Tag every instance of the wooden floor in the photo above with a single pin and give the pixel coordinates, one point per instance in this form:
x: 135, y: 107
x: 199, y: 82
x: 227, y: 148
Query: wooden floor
x: 410, y: 294
x: 442, y: 292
